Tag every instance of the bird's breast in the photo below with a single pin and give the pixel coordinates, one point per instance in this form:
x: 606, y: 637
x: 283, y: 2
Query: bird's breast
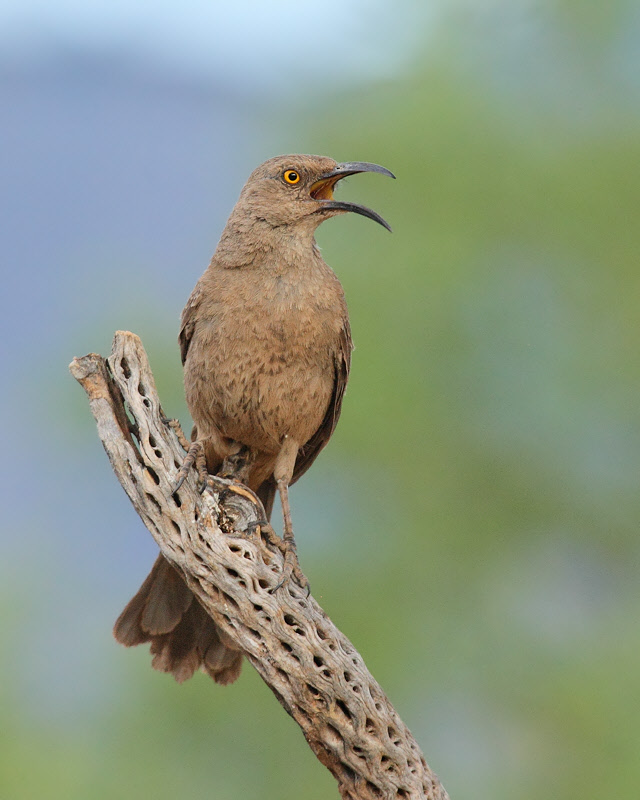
x: 262, y: 363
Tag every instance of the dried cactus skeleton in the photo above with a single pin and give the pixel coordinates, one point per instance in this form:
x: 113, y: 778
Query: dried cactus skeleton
x: 314, y: 671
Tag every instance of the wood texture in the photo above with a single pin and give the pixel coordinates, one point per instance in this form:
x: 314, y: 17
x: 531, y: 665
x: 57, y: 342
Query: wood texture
x: 312, y: 668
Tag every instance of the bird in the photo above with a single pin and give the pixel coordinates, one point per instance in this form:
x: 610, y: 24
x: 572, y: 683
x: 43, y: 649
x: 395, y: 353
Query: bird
x: 266, y: 345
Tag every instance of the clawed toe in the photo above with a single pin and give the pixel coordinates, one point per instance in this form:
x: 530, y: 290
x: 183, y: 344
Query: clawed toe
x: 174, y: 424
x: 291, y: 570
x: 195, y: 457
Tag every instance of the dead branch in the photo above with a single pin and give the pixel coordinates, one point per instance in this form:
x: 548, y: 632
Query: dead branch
x: 311, y: 667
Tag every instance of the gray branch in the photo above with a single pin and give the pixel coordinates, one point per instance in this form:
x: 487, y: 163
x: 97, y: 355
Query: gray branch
x: 312, y: 668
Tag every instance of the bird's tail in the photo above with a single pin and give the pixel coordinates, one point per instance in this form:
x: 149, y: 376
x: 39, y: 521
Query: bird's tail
x: 183, y: 637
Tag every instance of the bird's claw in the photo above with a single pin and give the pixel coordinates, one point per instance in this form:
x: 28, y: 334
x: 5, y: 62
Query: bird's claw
x: 291, y: 570
x: 182, y: 476
x: 195, y: 457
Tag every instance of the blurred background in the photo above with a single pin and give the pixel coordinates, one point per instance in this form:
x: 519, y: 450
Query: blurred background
x: 473, y: 526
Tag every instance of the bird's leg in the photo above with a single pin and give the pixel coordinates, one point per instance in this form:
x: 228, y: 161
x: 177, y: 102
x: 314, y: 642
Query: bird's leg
x: 174, y: 424
x: 195, y: 456
x: 229, y: 483
x: 283, y: 473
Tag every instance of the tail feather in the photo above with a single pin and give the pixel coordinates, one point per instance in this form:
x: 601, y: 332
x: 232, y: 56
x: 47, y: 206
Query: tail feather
x: 167, y: 602
x: 183, y: 637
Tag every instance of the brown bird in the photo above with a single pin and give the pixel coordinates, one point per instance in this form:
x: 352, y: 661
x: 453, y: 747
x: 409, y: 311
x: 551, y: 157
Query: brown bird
x: 266, y: 349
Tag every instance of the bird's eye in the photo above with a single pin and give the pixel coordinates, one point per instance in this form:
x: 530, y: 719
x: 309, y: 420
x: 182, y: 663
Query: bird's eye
x: 291, y: 176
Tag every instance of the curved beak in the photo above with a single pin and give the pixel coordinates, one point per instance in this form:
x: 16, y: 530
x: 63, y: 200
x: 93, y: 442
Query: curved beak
x: 322, y: 189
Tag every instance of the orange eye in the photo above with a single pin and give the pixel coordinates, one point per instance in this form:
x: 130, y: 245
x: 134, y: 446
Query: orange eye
x: 291, y: 176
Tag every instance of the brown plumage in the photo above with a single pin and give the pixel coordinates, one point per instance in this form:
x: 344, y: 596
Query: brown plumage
x: 266, y: 349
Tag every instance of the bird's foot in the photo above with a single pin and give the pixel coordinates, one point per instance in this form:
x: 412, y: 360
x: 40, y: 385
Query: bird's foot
x: 174, y: 424
x: 195, y: 457
x: 291, y: 568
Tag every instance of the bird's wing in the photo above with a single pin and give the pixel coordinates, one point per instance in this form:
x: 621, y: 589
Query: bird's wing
x: 188, y: 323
x: 308, y: 453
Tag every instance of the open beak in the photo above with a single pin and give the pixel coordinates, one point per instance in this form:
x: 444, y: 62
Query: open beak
x: 322, y: 190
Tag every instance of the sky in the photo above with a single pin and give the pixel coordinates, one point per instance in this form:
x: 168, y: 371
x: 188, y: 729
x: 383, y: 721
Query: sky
x: 254, y: 41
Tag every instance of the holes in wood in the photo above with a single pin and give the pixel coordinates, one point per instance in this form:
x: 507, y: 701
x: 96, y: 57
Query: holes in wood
x: 375, y: 790
x: 369, y: 726
x: 153, y: 444
x: 176, y: 527
x: 154, y: 475
x: 359, y: 752
x: 260, y: 610
x: 227, y: 598
x: 210, y: 589
x: 387, y: 764
x: 176, y: 499
x: 344, y: 708
x: 333, y: 737
x: 319, y: 662
x: 284, y: 675
x: 393, y: 734
x: 287, y: 647
x: 313, y: 690
x: 293, y: 623
x: 124, y: 366
x: 153, y: 500
x: 348, y: 772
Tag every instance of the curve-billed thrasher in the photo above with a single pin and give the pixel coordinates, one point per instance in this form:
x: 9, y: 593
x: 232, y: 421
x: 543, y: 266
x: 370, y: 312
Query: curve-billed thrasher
x: 266, y: 347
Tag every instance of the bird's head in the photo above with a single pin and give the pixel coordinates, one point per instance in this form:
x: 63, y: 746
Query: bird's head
x: 297, y: 191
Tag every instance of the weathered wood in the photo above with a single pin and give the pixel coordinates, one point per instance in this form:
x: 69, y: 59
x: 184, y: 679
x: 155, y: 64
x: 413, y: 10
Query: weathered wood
x: 312, y: 668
